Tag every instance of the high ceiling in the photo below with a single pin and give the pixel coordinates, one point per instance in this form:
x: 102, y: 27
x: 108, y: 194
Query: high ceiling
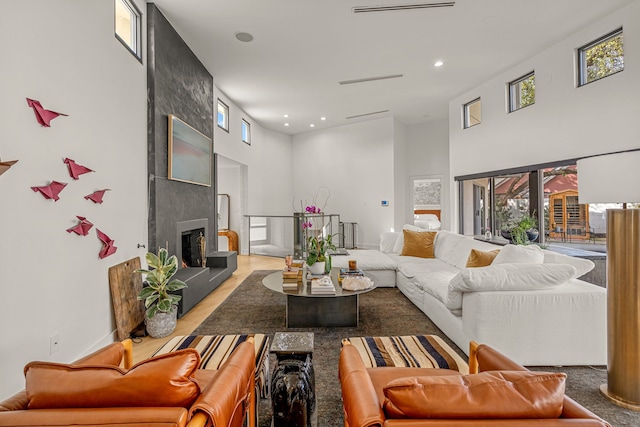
x: 302, y: 49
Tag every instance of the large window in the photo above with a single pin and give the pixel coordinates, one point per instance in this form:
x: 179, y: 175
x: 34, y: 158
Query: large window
x: 472, y: 113
x: 601, y: 58
x: 128, y: 26
x: 522, y: 92
x: 223, y: 115
x: 499, y: 200
x: 246, y: 131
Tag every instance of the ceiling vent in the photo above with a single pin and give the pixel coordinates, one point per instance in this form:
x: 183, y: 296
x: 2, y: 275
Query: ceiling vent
x: 367, y: 114
x: 370, y: 79
x: 413, y: 6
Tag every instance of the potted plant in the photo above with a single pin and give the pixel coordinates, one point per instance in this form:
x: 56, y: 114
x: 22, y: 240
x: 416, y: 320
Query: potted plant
x: 161, y: 306
x: 523, y: 230
x: 318, y: 247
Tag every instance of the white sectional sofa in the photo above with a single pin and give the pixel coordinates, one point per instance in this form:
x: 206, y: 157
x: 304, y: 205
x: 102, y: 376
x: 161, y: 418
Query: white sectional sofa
x: 528, y: 303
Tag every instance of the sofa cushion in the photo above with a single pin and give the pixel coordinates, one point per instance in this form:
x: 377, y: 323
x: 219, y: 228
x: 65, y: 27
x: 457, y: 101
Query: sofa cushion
x: 388, y: 241
x: 160, y: 381
x: 478, y: 258
x: 506, y: 277
x: 582, y: 265
x: 493, y: 394
x: 418, y: 243
x: 454, y: 248
x: 529, y: 254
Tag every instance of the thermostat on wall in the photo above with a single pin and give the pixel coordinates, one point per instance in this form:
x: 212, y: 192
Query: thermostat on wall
x: 384, y: 203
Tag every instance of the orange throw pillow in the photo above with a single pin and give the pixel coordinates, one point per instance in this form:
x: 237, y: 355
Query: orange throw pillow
x: 478, y: 258
x: 419, y: 243
x: 491, y: 394
x: 164, y: 380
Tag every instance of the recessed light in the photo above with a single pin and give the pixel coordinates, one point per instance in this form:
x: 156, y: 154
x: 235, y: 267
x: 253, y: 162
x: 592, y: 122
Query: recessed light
x: 285, y: 116
x: 312, y: 125
x: 244, y: 37
x: 323, y: 118
x: 438, y: 64
x: 286, y: 124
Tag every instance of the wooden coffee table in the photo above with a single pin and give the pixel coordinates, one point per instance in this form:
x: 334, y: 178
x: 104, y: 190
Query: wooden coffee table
x: 305, y: 310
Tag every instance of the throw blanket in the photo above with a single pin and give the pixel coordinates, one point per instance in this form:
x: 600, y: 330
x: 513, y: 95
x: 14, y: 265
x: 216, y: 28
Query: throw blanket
x: 417, y: 351
x: 215, y: 349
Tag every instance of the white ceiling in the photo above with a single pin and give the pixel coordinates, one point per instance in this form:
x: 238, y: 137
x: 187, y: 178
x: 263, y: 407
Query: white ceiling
x: 303, y: 48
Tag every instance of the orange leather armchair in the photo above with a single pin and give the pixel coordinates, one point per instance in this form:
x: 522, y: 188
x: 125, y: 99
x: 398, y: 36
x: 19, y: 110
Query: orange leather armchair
x: 223, y: 398
x: 393, y: 396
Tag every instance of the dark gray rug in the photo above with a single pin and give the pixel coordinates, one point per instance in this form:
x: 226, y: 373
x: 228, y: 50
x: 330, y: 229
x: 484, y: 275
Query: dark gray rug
x: 252, y: 308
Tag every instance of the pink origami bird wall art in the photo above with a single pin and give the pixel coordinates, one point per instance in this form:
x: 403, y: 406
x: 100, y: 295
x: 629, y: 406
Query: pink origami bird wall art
x: 108, y: 245
x: 43, y: 116
x: 82, y: 228
x: 51, y: 191
x: 75, y: 170
x: 96, y: 196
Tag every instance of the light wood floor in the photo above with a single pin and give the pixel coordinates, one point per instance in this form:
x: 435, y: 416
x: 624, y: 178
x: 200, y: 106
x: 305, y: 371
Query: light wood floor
x: 195, y: 316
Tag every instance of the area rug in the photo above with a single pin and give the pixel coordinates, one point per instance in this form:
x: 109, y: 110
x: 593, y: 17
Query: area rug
x: 252, y: 308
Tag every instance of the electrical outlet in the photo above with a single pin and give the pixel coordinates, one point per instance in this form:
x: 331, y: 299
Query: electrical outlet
x: 54, y: 343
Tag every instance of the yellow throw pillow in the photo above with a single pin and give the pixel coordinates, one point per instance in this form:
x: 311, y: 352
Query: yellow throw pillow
x: 419, y: 243
x: 479, y: 258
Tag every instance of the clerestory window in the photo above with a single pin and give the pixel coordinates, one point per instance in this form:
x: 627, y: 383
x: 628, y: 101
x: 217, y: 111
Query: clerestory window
x: 128, y: 26
x: 522, y: 92
x: 601, y: 58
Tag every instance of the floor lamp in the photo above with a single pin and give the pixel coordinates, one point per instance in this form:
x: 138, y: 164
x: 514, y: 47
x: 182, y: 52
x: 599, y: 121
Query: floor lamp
x: 615, y: 178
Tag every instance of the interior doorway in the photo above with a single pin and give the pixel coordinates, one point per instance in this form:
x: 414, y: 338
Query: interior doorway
x: 230, y: 179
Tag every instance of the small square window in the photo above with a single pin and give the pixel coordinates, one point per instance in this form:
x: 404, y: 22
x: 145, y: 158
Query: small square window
x: 246, y: 131
x: 128, y: 26
x: 522, y: 92
x: 472, y: 113
x: 223, y: 115
x: 601, y: 58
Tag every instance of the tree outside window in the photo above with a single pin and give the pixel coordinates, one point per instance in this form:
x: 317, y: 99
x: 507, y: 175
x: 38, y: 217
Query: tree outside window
x: 601, y: 58
x: 522, y: 92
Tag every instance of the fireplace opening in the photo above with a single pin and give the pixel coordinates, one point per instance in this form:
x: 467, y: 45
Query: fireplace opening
x: 193, y: 247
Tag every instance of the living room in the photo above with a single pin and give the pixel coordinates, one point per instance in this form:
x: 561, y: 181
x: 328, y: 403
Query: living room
x: 58, y: 306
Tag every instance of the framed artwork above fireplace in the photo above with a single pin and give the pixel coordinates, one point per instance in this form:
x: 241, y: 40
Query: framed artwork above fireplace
x: 189, y: 153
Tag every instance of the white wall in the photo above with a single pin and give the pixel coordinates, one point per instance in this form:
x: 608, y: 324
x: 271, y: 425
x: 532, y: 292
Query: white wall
x: 566, y: 121
x: 356, y: 163
x: 266, y: 172
x: 428, y: 148
x: 65, y: 55
x: 400, y: 193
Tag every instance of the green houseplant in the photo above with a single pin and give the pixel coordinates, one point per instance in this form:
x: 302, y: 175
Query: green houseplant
x: 318, y: 247
x: 161, y: 306
x: 524, y: 229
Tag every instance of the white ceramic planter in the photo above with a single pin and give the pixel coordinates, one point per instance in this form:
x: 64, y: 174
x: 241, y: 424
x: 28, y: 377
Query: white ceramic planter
x: 316, y: 268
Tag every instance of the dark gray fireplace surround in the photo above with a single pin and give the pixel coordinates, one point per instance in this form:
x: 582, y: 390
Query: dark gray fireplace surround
x: 179, y: 84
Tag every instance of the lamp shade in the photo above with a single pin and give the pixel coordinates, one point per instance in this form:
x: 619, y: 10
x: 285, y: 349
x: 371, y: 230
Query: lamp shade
x: 610, y: 178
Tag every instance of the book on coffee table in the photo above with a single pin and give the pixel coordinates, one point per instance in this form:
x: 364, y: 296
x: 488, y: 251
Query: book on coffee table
x: 323, y: 286
x: 347, y: 272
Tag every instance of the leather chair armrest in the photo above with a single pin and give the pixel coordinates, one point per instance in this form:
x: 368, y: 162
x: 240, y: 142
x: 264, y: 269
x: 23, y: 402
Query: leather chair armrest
x: 229, y: 394
x: 17, y: 402
x: 489, y: 359
x: 111, y: 354
x: 572, y: 409
x: 361, y: 405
